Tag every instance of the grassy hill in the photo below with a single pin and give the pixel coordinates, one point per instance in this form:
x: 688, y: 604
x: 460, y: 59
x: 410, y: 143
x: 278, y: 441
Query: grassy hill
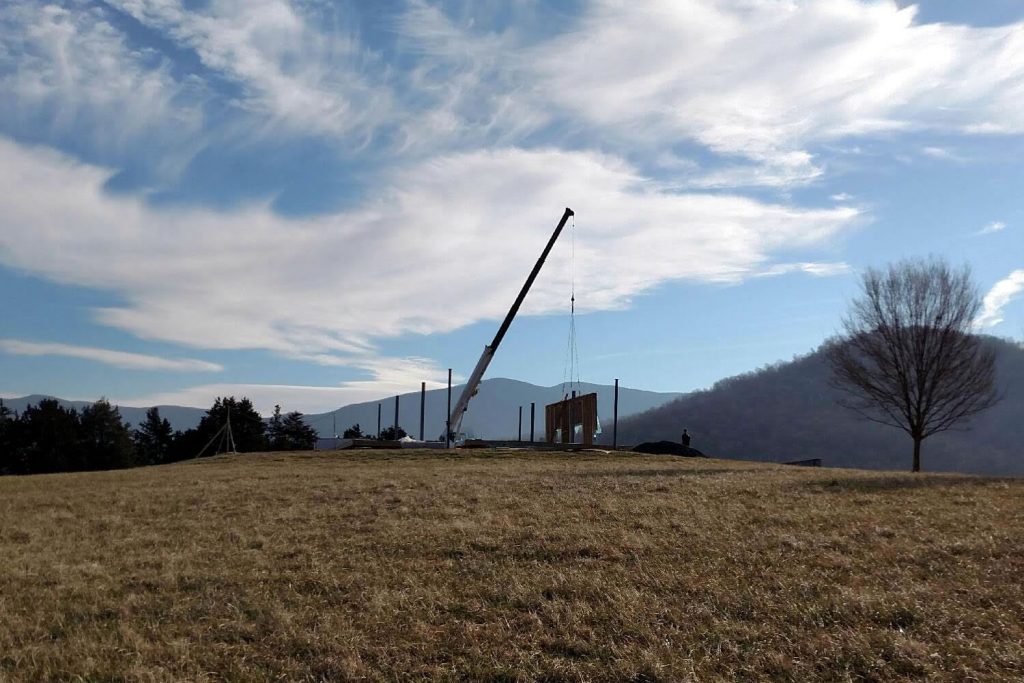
x: 502, y: 566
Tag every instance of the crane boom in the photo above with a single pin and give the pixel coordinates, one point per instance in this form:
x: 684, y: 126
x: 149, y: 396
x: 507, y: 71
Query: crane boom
x: 455, y: 419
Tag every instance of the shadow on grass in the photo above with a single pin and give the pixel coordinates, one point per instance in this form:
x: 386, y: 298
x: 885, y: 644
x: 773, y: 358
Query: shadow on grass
x: 657, y: 472
x: 900, y: 483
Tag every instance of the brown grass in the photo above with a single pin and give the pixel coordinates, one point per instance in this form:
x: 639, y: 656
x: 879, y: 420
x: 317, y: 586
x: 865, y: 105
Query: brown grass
x: 501, y: 567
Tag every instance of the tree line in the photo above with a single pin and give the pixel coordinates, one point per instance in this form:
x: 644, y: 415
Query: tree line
x: 48, y: 437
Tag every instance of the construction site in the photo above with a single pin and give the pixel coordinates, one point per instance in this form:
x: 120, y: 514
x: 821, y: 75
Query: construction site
x: 570, y: 423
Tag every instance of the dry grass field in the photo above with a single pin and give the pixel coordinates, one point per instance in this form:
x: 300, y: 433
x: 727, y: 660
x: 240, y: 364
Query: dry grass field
x: 508, y: 566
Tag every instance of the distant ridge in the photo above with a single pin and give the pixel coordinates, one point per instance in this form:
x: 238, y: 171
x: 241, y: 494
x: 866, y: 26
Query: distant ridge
x: 492, y: 413
x: 180, y: 417
x: 788, y: 411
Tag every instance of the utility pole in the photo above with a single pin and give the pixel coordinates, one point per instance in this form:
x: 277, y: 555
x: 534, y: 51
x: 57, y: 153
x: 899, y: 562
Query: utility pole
x: 378, y: 421
x: 229, y: 436
x: 396, y: 417
x: 448, y: 412
x: 615, y: 418
x: 423, y: 406
x: 533, y: 407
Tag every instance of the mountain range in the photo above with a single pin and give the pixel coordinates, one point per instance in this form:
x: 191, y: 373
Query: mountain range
x: 493, y: 413
x: 180, y: 417
x: 782, y: 412
x: 789, y: 411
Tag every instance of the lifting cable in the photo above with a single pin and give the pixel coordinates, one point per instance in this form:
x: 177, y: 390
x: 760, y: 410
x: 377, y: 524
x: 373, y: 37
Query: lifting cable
x: 571, y: 371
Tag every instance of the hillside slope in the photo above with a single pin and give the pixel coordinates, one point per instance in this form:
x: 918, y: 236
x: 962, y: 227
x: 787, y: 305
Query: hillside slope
x: 501, y: 567
x: 789, y: 412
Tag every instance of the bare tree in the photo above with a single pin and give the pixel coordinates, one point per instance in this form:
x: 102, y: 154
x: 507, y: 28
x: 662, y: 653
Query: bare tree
x: 908, y: 357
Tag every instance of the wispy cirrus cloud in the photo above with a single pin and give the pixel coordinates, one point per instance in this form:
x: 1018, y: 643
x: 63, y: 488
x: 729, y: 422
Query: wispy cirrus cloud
x: 653, y: 121
x: 252, y: 279
x: 304, y: 398
x: 300, y: 67
x: 71, y: 76
x: 944, y: 154
x: 825, y: 269
x: 997, y: 298
x: 385, y: 377
x: 766, y: 80
x: 119, y: 359
x: 764, y: 85
x: 994, y: 226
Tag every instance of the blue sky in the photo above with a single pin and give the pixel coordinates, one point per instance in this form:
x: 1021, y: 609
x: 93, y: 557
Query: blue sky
x: 314, y: 203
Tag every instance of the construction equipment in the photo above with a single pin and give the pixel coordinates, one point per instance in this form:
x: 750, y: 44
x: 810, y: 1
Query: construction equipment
x: 455, y: 419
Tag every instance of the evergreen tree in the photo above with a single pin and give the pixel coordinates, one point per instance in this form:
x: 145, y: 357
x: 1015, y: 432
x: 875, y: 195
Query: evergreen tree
x: 153, y: 438
x: 105, y: 440
x: 296, y: 434
x: 49, y: 436
x: 10, y: 446
x: 275, y: 431
x: 353, y: 432
x: 392, y: 434
x: 185, y: 445
x: 247, y: 426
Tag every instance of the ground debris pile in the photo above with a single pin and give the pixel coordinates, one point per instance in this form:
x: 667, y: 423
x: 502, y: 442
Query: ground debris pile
x: 668, y: 448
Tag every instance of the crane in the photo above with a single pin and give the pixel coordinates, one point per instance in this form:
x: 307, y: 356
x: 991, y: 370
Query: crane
x: 469, y: 391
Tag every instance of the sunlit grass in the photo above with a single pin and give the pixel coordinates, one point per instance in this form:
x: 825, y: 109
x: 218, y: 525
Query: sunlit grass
x: 509, y: 566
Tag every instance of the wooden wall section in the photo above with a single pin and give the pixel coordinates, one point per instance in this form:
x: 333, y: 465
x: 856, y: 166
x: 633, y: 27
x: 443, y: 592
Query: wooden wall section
x: 572, y: 411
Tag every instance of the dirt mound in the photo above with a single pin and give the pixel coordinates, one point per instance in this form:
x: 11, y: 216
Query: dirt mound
x: 668, y: 448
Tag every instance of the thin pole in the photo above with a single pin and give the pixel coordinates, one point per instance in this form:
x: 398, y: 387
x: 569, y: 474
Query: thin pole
x: 396, y: 416
x: 423, y: 406
x: 533, y: 407
x: 615, y: 418
x: 447, y: 420
x: 230, y: 437
x: 520, y: 423
x: 215, y: 436
x: 378, y: 420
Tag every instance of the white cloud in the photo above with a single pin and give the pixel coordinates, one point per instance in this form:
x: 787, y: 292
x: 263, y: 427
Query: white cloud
x: 1001, y: 294
x: 306, y: 399
x: 994, y: 226
x: 816, y: 269
x: 475, y: 82
x: 444, y: 244
x: 388, y: 377
x: 120, y: 359
x: 841, y: 197
x: 766, y: 79
x: 305, y: 71
x: 70, y: 74
x: 767, y: 85
x: 943, y: 154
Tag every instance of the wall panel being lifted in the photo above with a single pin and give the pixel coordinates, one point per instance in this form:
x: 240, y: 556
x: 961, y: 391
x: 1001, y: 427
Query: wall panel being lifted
x: 573, y: 420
